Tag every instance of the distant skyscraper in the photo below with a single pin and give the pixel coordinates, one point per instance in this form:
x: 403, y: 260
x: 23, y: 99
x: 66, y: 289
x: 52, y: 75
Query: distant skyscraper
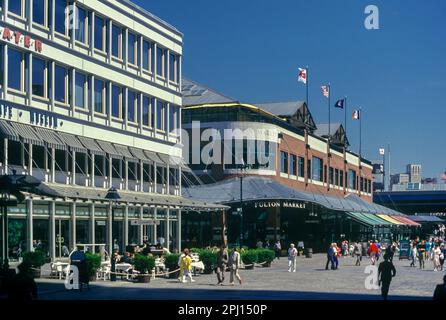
x: 414, y: 172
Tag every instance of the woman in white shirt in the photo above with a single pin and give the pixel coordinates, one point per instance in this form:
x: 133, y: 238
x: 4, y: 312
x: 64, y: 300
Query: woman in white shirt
x: 436, y: 258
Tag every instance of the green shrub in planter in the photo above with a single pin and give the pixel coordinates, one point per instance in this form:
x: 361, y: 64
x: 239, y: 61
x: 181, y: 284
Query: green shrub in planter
x: 171, y: 262
x: 144, y: 264
x: 209, y: 259
x: 249, y: 258
x: 35, y: 259
x: 93, y: 262
x: 265, y: 256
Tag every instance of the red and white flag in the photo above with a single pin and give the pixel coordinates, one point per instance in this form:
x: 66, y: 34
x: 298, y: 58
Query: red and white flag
x: 356, y: 115
x: 326, y: 91
x: 382, y: 151
x: 302, y: 75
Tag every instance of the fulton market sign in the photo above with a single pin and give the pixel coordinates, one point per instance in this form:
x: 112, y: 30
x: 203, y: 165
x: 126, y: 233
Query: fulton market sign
x: 280, y: 204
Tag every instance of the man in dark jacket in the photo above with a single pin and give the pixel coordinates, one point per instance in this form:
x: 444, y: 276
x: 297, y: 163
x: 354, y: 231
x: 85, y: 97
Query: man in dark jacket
x: 440, y: 291
x: 222, y: 261
x: 386, y: 271
x: 330, y: 257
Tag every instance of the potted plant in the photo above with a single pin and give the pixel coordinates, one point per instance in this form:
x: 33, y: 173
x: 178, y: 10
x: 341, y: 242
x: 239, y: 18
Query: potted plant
x: 144, y: 265
x: 93, y: 263
x: 35, y: 259
x: 249, y: 258
x: 209, y: 259
x: 171, y: 262
x: 265, y: 257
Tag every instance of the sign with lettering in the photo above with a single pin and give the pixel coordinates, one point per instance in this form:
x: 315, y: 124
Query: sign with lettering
x: 20, y: 39
x: 144, y: 222
x: 280, y: 204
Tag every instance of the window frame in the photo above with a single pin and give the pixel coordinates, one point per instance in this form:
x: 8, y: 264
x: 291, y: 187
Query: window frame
x: 120, y: 102
x: 135, y: 48
x: 22, y: 9
x: 22, y: 71
x: 46, y: 15
x: 103, y: 31
x: 86, y: 41
x: 66, y: 32
x: 120, y: 42
x: 135, y: 106
x: 104, y: 96
x: 86, y: 93
x: 66, y: 84
x: 45, y: 78
x: 284, y: 162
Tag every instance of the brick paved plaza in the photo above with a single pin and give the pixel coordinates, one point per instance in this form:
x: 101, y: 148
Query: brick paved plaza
x: 311, y: 281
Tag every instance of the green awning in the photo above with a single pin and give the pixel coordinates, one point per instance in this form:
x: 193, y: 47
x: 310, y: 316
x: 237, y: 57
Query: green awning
x: 368, y: 219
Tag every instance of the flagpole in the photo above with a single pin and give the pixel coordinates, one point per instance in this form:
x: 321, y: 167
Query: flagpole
x: 360, y: 136
x: 329, y: 114
x: 305, y: 114
x: 345, y: 115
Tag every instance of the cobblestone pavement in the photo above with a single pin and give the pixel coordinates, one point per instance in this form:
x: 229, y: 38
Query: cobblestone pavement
x: 311, y: 281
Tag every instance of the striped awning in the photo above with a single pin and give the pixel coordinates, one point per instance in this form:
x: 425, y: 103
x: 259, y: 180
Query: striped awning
x: 7, y: 131
x: 71, y: 141
x: 139, y: 154
x: 27, y: 134
x: 406, y: 221
x: 51, y: 138
x: 153, y: 156
x: 165, y: 158
x: 358, y: 217
x: 124, y: 151
x: 110, y: 149
x: 92, y: 146
x: 391, y: 220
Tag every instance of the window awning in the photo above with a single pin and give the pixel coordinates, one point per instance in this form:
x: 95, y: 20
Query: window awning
x: 153, y: 156
x: 110, y: 149
x: 139, y: 154
x: 164, y: 158
x: 7, y: 131
x: 91, y: 145
x: 381, y: 221
x: 391, y: 220
x: 427, y: 219
x: 51, y: 138
x: 27, y: 134
x: 124, y: 151
x: 406, y: 221
x: 364, y: 219
x: 71, y: 141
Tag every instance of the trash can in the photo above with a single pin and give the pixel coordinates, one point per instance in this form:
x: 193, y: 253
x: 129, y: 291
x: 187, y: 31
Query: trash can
x: 309, y: 253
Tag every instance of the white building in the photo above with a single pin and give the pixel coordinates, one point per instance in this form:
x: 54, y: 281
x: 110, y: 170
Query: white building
x: 87, y: 107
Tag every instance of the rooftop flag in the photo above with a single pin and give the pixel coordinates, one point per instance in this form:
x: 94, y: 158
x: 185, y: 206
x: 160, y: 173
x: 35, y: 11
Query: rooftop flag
x: 340, y: 104
x: 382, y: 151
x: 302, y: 75
x: 326, y: 91
x: 356, y: 115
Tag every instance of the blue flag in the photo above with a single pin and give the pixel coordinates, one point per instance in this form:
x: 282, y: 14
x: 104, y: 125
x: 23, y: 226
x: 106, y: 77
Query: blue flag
x: 340, y: 104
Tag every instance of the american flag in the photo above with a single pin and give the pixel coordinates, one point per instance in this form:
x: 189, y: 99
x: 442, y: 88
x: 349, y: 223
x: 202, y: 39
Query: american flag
x: 302, y: 75
x: 356, y: 115
x: 326, y: 91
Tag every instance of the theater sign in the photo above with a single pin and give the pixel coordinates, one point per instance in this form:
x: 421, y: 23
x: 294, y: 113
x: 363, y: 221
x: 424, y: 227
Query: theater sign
x: 19, y: 39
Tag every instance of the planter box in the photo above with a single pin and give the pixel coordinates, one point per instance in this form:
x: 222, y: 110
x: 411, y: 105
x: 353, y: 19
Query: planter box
x: 145, y: 278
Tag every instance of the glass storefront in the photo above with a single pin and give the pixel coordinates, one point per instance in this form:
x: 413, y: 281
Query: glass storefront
x: 100, y: 231
x: 82, y: 231
x: 41, y: 233
x: 17, y: 235
x: 62, y: 238
x: 118, y: 236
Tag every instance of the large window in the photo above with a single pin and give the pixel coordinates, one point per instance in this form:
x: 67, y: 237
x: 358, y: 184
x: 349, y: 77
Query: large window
x: 132, y: 99
x: 116, y: 41
x: 145, y: 111
x: 293, y: 164
x: 283, y: 162
x: 161, y: 62
x: 301, y: 167
x: 81, y: 90
x: 100, y: 31
x: 82, y: 26
x: 172, y: 66
x: 60, y: 7
x: 60, y: 81
x: 331, y: 176
x: 39, y: 77
x: 16, y: 7
x: 116, y: 101
x: 174, y: 118
x: 39, y: 15
x: 132, y: 51
x: 15, y: 69
x: 318, y: 167
x: 352, y: 179
x: 146, y: 53
x: 100, y: 90
x: 160, y: 113
x: 336, y: 180
x: 341, y: 178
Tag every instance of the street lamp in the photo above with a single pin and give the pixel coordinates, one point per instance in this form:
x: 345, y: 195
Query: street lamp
x: 113, y: 197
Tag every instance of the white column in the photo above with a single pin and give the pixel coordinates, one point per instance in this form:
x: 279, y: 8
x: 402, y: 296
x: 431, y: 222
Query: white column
x: 30, y: 230
x: 110, y: 33
x: 73, y: 90
x: 92, y: 227
x: 126, y: 174
x: 126, y: 226
x: 30, y: 79
x: 167, y: 237
x: 5, y: 9
x: 125, y: 45
x: 180, y: 65
x: 155, y: 62
x: 30, y: 159
x: 155, y: 227
x: 110, y: 231
x: 92, y: 98
x: 73, y: 225
x: 73, y: 167
x: 92, y: 22
x: 141, y: 55
x: 168, y: 67
x: 155, y: 178
x: 110, y: 172
x: 140, y: 227
x: 53, y: 230
x: 53, y: 82
x: 5, y: 66
x: 53, y: 165
x: 125, y: 92
x: 53, y: 18
x: 167, y: 178
x: 141, y: 175
x: 109, y: 84
x: 179, y: 231
x: 30, y: 14
x: 73, y: 31
x: 92, y: 173
x: 5, y: 151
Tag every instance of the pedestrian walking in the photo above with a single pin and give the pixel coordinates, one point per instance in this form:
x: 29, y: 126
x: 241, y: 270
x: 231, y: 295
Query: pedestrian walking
x: 442, y: 256
x: 180, y: 258
x: 278, y: 249
x: 330, y: 259
x: 386, y: 271
x: 421, y: 253
x: 336, y: 256
x: 222, y: 261
x: 234, y: 264
x: 292, y: 258
x: 373, y: 251
x: 436, y: 258
x: 186, y: 266
x: 357, y: 252
x: 413, y: 254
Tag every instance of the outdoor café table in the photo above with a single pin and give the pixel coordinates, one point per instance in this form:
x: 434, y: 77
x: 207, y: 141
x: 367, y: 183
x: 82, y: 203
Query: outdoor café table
x: 60, y: 268
x: 197, y: 265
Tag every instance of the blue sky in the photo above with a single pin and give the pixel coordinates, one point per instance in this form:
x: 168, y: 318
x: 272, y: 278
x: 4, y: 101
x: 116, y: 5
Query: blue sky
x: 251, y: 50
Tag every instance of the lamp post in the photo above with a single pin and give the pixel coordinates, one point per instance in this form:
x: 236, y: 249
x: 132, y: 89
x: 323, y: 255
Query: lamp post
x: 113, y: 196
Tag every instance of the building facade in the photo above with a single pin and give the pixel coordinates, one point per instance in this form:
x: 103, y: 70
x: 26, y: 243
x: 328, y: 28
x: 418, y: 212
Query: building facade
x: 91, y: 99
